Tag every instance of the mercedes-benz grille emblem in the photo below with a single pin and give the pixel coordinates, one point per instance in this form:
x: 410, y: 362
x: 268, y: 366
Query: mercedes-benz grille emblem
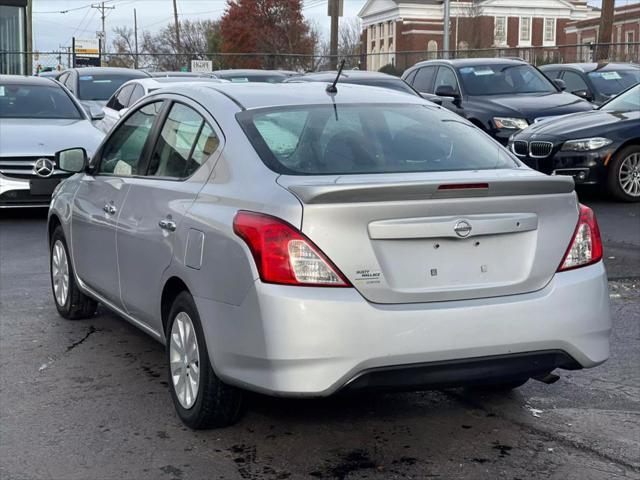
x: 462, y: 229
x: 44, y: 167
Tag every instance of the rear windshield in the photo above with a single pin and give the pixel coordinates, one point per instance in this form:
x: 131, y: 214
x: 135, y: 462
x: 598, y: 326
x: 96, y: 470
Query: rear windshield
x: 614, y: 81
x: 36, y: 101
x: 380, y: 138
x: 100, y: 87
x: 503, y: 79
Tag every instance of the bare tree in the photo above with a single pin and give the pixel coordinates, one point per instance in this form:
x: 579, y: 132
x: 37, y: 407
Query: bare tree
x: 469, y: 26
x: 122, y: 47
x: 349, y: 32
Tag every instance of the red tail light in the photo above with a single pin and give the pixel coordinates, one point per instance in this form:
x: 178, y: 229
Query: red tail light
x: 586, y: 245
x: 283, y: 254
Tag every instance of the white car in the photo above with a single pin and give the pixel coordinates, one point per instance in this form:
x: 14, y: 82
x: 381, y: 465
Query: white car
x: 132, y: 91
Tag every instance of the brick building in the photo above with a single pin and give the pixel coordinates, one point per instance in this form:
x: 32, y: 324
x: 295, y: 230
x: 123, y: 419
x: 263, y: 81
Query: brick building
x: 391, y: 26
x: 626, y: 32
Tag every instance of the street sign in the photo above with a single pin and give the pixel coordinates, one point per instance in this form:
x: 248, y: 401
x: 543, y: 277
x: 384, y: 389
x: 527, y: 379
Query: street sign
x: 86, y: 52
x: 201, y: 66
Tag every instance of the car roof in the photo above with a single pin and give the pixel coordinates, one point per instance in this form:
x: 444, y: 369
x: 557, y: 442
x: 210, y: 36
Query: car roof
x: 262, y: 95
x: 22, y: 80
x: 249, y: 71
x: 108, y: 70
x: 355, y: 74
x: 160, y: 82
x: 179, y: 74
x: 591, y: 67
x: 471, y: 62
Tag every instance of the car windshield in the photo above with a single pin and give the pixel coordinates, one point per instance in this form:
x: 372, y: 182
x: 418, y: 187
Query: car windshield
x: 36, y: 101
x: 613, y: 82
x: 626, y: 102
x: 100, y: 87
x: 366, y: 138
x: 500, y: 79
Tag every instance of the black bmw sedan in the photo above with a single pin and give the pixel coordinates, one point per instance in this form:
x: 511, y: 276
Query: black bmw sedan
x: 598, y: 147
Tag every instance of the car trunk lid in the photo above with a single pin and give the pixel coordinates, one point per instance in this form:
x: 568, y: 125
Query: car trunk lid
x: 440, y: 236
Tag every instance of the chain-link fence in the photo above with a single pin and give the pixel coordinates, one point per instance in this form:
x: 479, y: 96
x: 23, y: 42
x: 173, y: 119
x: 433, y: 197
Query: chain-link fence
x: 395, y: 62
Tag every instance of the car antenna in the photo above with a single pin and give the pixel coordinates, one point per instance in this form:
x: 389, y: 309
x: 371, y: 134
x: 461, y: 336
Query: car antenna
x: 332, y: 88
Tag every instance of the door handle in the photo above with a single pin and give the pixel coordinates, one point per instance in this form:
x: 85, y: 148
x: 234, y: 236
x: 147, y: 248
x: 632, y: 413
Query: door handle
x: 110, y: 209
x: 167, y: 225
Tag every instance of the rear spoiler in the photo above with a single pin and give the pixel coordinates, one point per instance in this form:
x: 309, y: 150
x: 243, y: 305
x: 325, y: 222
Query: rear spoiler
x: 424, y: 190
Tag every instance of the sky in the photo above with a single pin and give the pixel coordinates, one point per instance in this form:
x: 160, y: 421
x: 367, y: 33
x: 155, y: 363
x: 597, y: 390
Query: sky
x: 53, y: 29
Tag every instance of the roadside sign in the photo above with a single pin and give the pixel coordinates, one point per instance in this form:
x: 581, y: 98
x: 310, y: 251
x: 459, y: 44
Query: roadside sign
x: 86, y: 52
x: 201, y: 66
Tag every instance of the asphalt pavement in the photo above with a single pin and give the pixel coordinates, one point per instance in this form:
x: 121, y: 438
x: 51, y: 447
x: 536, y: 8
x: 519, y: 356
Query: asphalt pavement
x: 89, y: 400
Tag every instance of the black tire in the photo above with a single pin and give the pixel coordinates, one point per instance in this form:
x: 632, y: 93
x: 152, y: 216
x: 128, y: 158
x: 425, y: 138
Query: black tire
x: 613, y: 183
x: 77, y: 305
x: 217, y: 404
x: 500, y: 387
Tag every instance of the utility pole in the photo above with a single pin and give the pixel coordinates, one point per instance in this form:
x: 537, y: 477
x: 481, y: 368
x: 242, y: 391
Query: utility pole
x: 606, y: 30
x: 334, y: 12
x: 135, y: 35
x: 29, y: 45
x: 175, y: 16
x: 446, y: 29
x: 102, y: 10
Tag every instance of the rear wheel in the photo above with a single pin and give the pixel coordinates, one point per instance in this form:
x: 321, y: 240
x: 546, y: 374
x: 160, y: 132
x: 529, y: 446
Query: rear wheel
x: 71, y: 303
x: 201, y: 399
x: 624, y: 174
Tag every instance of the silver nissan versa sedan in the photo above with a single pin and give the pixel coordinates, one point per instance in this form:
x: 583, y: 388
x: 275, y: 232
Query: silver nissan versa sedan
x: 295, y: 241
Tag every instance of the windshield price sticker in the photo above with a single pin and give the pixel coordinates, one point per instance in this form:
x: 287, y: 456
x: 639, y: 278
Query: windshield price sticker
x: 611, y: 75
x: 479, y: 71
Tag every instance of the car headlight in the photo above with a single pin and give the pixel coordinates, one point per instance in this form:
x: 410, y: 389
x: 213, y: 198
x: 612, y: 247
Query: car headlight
x: 586, y: 144
x: 510, y: 123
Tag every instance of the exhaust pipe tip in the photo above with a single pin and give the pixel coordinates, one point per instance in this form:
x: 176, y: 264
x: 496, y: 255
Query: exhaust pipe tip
x: 547, y: 378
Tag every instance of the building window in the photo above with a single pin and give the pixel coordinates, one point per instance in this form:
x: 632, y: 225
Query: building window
x: 525, y: 30
x: 12, y: 39
x: 389, y: 29
x: 550, y: 31
x: 630, y: 49
x: 500, y: 30
x: 432, y: 49
x: 380, y: 30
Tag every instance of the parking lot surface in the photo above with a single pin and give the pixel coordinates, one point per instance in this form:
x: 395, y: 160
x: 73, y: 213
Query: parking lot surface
x: 89, y: 399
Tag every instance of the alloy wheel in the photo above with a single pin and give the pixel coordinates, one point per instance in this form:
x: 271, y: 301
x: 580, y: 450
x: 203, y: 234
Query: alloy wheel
x: 184, y: 360
x: 629, y: 175
x: 60, y: 273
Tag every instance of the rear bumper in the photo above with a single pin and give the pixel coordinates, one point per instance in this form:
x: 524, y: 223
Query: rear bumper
x: 300, y: 341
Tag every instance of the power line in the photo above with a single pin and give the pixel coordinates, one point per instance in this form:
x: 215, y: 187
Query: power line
x: 101, y: 7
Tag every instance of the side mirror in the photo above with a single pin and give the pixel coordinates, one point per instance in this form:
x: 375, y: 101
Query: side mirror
x: 73, y: 160
x: 586, y: 94
x: 560, y: 84
x: 447, y: 91
x: 95, y: 113
x: 122, y: 112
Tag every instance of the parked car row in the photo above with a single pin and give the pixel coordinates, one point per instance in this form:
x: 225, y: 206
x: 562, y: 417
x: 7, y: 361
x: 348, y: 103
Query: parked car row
x: 506, y: 98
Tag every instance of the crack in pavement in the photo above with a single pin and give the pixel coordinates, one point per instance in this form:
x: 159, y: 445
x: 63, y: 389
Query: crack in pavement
x: 91, y: 331
x: 53, y: 359
x: 567, y: 442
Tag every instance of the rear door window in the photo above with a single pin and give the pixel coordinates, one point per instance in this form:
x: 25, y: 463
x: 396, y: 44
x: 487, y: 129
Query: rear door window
x: 185, y: 142
x: 137, y: 94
